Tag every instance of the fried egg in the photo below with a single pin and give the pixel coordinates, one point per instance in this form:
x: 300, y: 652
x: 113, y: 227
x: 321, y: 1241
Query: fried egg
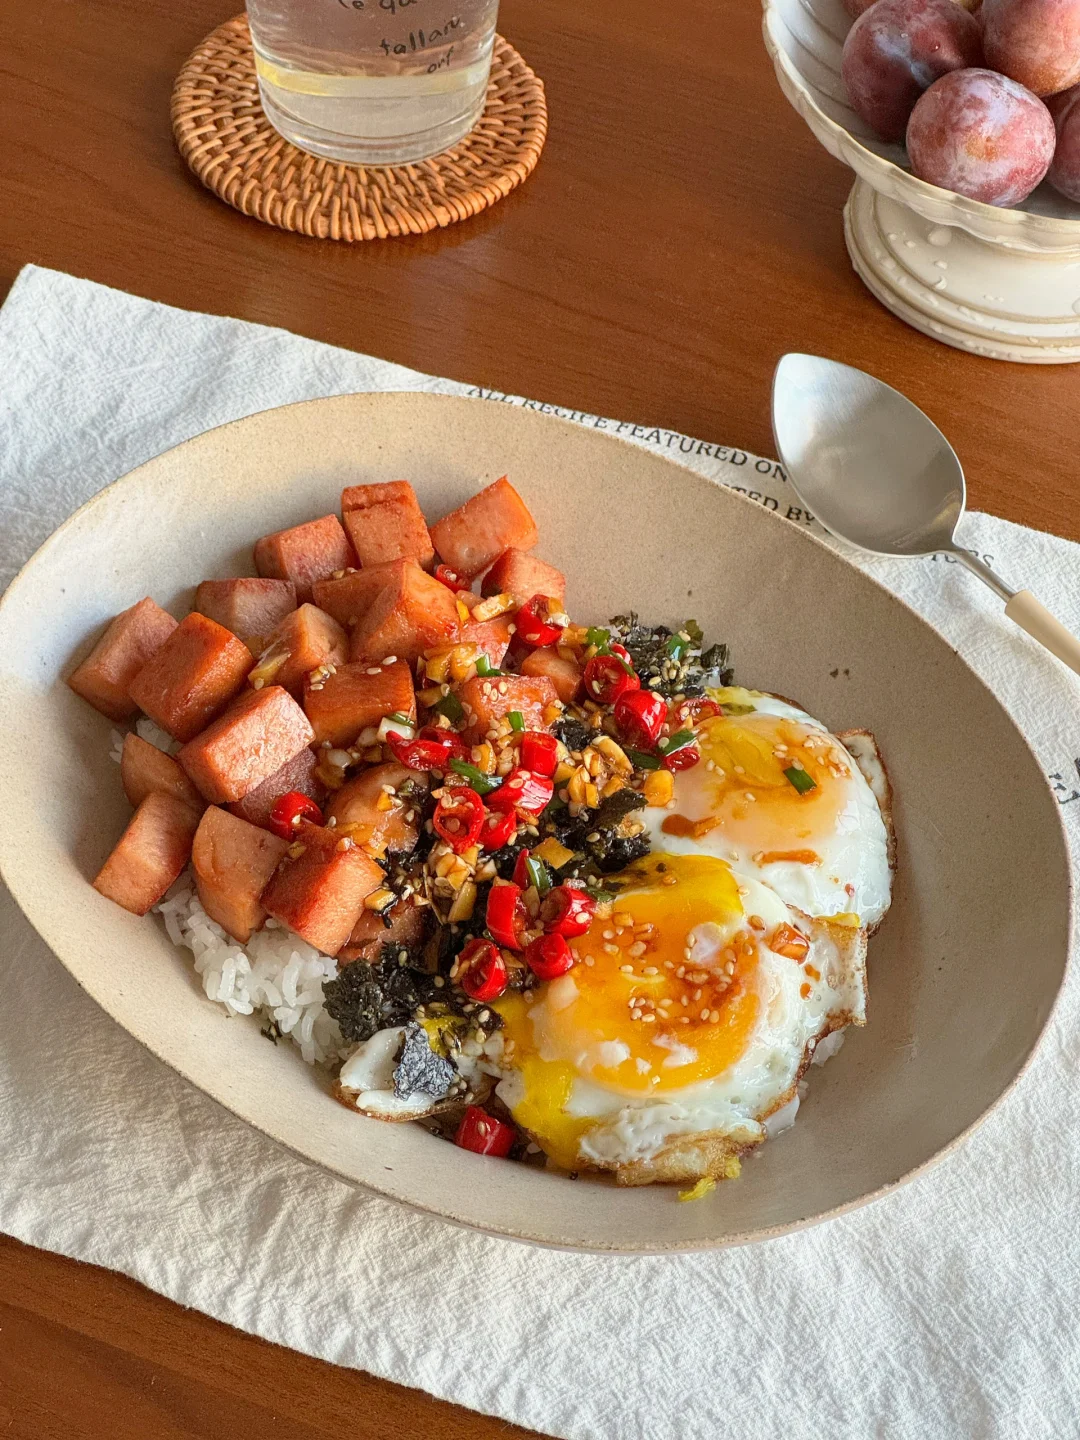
x: 782, y: 801
x: 684, y: 1025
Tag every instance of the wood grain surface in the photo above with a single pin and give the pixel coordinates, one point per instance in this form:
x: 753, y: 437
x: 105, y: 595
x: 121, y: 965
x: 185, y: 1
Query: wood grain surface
x: 681, y: 232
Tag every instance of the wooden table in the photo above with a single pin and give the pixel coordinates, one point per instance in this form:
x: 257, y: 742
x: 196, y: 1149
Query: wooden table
x: 681, y: 232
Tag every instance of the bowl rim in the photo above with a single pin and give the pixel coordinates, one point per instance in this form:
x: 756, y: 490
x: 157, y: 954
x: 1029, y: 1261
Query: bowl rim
x: 636, y: 1247
x: 975, y: 216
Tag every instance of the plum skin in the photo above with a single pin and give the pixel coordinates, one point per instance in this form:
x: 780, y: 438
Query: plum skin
x: 1064, y: 172
x: 982, y: 135
x: 898, y: 48
x: 1035, y: 42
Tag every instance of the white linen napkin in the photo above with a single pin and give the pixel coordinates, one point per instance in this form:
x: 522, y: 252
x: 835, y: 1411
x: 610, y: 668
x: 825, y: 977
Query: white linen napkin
x: 948, y: 1309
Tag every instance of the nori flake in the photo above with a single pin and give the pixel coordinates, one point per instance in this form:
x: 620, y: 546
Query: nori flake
x: 613, y: 848
x: 573, y: 734
x: 366, y: 998
x: 648, y: 647
x: 419, y: 1070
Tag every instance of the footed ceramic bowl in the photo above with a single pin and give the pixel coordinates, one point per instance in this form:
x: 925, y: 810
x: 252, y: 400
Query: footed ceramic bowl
x: 983, y: 873
x: 1002, y: 283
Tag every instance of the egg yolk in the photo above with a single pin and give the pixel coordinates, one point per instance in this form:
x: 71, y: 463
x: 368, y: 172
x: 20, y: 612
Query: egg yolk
x: 742, y: 788
x: 663, y: 995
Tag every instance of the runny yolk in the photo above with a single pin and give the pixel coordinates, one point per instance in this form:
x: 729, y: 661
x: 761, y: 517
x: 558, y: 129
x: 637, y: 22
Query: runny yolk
x: 637, y: 1014
x: 742, y: 789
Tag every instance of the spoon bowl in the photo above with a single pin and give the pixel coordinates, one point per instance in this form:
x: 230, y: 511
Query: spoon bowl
x: 879, y: 474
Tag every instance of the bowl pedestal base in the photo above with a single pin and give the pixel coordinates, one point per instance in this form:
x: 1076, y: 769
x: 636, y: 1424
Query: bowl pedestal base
x: 993, y: 299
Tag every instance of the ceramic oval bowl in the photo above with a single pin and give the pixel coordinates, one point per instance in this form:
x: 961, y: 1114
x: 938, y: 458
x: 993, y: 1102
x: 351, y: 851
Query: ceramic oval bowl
x: 983, y: 873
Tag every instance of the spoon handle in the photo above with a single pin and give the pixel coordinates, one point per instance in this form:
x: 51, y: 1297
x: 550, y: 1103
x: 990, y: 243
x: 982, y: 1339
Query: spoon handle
x: 1034, y: 617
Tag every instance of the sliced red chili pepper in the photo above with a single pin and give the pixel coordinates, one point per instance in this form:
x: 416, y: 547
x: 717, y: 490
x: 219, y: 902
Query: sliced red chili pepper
x: 568, y: 911
x: 549, y: 956
x: 481, y: 971
x: 459, y: 817
x: 520, y: 876
x: 683, y: 759
x: 289, y: 809
x: 432, y: 749
x: 533, y: 621
x: 507, y: 917
x: 640, y: 716
x: 498, y: 829
x: 539, y: 752
x: 693, y: 711
x: 609, y: 676
x: 522, y: 790
x: 483, y: 1134
x: 450, y: 578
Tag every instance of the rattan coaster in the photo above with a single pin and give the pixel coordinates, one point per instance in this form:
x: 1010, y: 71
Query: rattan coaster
x: 233, y: 149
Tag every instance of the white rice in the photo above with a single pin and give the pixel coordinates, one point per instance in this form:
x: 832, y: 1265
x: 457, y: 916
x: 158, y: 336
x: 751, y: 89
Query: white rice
x: 275, y: 976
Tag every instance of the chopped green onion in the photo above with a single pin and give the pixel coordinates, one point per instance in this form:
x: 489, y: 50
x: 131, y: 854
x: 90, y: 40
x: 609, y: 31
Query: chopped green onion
x: 538, y: 875
x: 600, y: 896
x: 598, y: 637
x: 678, y: 741
x: 481, y: 783
x: 451, y: 707
x: 642, y: 760
x: 677, y: 647
x: 517, y: 720
x: 800, y: 779
x: 400, y: 718
x: 484, y: 667
x: 737, y: 709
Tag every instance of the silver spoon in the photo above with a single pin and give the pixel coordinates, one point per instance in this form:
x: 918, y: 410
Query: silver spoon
x: 879, y: 474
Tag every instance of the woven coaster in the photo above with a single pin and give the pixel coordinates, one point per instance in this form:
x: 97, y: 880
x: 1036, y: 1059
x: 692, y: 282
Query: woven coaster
x: 234, y: 150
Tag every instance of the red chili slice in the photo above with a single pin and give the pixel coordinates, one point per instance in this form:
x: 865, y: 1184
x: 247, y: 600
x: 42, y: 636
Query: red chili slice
x: 483, y: 1134
x: 507, y: 917
x: 549, y: 956
x: 683, y: 759
x: 498, y: 829
x: 432, y: 749
x: 459, y: 818
x: 567, y: 911
x: 640, y: 716
x: 481, y: 971
x: 533, y: 621
x: 522, y: 790
x: 539, y: 752
x: 450, y: 578
x: 609, y: 676
x: 289, y: 809
x: 692, y: 712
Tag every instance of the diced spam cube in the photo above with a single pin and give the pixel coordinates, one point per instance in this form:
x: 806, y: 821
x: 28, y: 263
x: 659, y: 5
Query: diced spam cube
x: 150, y: 854
x: 349, y: 598
x: 490, y: 700
x: 470, y: 538
x: 564, y: 674
x: 523, y: 576
x: 233, y: 863
x: 192, y: 677
x: 492, y: 636
x: 303, y: 641
x: 407, y: 929
x: 304, y: 553
x: 320, y: 894
x: 385, y: 522
x: 296, y: 774
x: 413, y: 614
x: 360, y: 808
x: 357, y: 696
x: 245, y: 746
x: 249, y: 607
x: 104, y: 677
x: 144, y: 768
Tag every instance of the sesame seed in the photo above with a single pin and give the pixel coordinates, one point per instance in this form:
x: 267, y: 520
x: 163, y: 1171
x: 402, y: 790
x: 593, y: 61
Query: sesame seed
x: 651, y: 970
x: 625, y: 969
x: 638, y: 948
x: 390, y: 660
x: 705, y: 1012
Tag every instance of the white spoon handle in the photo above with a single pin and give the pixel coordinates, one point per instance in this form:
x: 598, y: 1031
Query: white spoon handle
x: 1034, y: 617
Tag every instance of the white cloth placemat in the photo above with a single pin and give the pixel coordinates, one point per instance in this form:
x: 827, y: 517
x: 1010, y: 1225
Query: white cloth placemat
x: 948, y: 1309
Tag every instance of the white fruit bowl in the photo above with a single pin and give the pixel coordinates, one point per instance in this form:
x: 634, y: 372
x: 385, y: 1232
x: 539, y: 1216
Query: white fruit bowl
x: 1001, y: 283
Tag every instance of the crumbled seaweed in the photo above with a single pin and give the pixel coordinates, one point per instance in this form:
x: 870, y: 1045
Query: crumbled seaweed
x: 420, y: 1071
x: 686, y: 674
x: 366, y: 998
x: 573, y: 734
x: 602, y: 837
x: 271, y: 1031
